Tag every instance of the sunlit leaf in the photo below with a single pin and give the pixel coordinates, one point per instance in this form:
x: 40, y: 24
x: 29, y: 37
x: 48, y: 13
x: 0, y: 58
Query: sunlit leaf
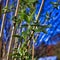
x: 47, y: 16
x: 32, y: 1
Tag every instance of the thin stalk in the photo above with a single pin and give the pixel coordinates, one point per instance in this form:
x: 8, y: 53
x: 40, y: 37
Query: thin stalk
x: 1, y: 33
x: 16, y: 39
x: 4, y: 51
x: 32, y: 33
x: 33, y: 49
x: 10, y: 41
x: 3, y: 19
x: 37, y: 17
x: 19, y: 34
x: 40, y: 9
x: 0, y: 38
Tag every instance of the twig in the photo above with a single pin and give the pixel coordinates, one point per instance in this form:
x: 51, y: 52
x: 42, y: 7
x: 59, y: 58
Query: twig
x: 37, y: 17
x: 12, y: 32
x: 39, y: 12
x: 3, y: 19
x: 4, y: 51
x: 33, y: 50
x: 3, y: 47
x: 32, y: 32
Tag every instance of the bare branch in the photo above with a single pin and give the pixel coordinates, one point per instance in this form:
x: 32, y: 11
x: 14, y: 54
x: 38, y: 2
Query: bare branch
x: 12, y: 32
x: 39, y: 12
x: 3, y: 19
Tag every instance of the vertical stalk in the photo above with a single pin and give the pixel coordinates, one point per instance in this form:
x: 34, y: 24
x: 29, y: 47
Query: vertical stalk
x: 39, y: 12
x: 3, y: 19
x: 32, y: 33
x: 10, y: 42
x: 12, y: 31
x: 37, y: 17
x: 1, y: 34
x: 0, y: 38
x: 16, y: 29
x: 4, y: 51
x: 33, y: 49
x: 18, y: 34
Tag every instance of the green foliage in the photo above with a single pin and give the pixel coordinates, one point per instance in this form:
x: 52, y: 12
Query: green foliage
x: 31, y: 25
x: 23, y: 52
x: 8, y: 9
x: 55, y: 4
